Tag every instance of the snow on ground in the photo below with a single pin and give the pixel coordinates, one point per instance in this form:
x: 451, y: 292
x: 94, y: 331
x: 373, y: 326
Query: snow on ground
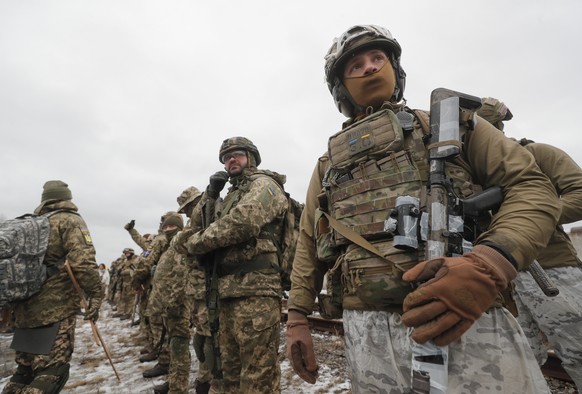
x: 92, y: 373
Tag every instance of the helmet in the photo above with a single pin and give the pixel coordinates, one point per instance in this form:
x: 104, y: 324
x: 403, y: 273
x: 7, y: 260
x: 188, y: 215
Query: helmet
x: 128, y: 250
x: 355, y: 39
x: 237, y: 143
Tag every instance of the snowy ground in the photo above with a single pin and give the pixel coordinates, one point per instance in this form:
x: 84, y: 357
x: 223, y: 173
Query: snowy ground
x: 92, y: 373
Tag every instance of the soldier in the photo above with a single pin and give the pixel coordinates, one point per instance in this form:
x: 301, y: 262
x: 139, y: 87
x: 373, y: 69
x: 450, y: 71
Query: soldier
x: 560, y: 317
x: 196, y: 287
x: 172, y: 285
x: 126, y: 296
x: 486, y: 351
x: 171, y: 225
x: 150, y: 326
x: 114, y: 282
x: 47, y: 319
x: 246, y: 261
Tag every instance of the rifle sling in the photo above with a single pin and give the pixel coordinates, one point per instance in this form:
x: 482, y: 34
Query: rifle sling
x: 353, y: 236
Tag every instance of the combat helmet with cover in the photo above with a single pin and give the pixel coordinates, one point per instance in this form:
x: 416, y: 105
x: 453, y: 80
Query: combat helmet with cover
x: 239, y: 143
x: 355, y: 39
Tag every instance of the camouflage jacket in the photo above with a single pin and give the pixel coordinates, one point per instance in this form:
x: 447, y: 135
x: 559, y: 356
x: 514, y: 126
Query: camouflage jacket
x: 238, y: 236
x: 148, y: 260
x: 139, y: 239
x: 566, y: 176
x: 522, y: 225
x: 127, y: 268
x: 69, y: 239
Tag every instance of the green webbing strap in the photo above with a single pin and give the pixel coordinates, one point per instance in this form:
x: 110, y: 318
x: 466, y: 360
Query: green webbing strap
x: 353, y: 236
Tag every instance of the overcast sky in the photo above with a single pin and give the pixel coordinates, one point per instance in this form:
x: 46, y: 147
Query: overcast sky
x: 128, y: 101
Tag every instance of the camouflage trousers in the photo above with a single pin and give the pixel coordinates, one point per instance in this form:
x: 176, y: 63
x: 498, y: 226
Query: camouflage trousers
x: 45, y: 373
x: 177, y: 323
x: 249, y: 345
x: 144, y: 320
x: 126, y: 299
x: 492, y: 356
x: 558, y: 318
x: 200, y: 319
x: 154, y: 311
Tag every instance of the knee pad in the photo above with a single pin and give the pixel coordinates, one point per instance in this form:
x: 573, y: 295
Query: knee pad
x: 51, y: 380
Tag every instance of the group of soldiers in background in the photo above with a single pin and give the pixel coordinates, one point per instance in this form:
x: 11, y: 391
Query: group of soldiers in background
x: 165, y: 297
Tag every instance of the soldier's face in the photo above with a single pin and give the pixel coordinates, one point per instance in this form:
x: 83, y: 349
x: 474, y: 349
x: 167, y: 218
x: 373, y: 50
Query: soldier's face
x: 370, y: 78
x: 235, y: 164
x: 365, y: 63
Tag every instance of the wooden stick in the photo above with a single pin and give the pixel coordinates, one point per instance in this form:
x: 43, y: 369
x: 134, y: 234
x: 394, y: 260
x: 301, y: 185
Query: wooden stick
x: 93, y: 325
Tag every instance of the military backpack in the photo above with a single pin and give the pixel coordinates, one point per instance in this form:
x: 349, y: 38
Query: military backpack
x: 23, y: 245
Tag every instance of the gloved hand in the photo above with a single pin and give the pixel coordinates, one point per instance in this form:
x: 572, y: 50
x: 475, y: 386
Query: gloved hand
x: 198, y: 344
x: 216, y: 184
x: 456, y: 293
x: 92, y: 311
x: 129, y: 225
x: 178, y: 242
x: 300, y: 347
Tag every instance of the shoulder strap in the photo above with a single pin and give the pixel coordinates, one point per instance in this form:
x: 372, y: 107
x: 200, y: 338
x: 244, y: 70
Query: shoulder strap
x: 51, y: 213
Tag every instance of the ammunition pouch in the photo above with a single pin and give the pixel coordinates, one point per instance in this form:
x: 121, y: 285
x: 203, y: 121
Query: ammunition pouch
x: 325, y: 247
x: 374, y: 280
x: 330, y: 302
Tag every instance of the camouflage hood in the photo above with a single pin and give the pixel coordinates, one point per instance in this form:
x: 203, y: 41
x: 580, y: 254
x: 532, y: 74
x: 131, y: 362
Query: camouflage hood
x: 54, y: 205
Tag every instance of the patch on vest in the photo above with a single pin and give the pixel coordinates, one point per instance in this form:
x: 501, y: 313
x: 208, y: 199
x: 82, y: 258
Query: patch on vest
x: 359, y: 140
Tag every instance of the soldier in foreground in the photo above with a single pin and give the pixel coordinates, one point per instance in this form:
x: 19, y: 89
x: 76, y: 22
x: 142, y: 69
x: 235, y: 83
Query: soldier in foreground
x: 455, y: 305
x: 246, y: 260
x: 46, y: 321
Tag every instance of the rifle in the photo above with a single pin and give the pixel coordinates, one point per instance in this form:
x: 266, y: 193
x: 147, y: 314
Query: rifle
x: 430, y: 362
x: 93, y: 325
x: 211, y: 278
x: 449, y: 218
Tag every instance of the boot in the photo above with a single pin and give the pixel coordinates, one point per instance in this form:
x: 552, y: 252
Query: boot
x: 124, y: 317
x: 158, y: 370
x: 162, y: 388
x: 151, y: 356
x: 201, y: 387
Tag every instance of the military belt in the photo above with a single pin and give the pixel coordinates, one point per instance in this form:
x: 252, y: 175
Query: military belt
x: 245, y: 268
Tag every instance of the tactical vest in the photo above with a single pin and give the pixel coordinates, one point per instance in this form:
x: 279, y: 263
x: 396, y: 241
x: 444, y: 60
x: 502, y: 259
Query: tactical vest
x: 258, y: 253
x: 373, y: 163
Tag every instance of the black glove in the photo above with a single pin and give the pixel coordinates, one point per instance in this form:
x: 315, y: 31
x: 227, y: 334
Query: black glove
x: 216, y: 184
x: 198, y: 343
x: 92, y: 312
x: 129, y: 225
